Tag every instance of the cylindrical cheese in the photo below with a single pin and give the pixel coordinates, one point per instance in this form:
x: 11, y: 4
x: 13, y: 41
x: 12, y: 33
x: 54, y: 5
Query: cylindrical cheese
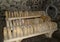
x: 6, y: 13
x: 19, y: 32
x: 14, y: 32
x: 20, y: 13
x: 44, y: 27
x: 9, y: 33
x: 30, y: 30
x: 5, y: 33
x: 38, y: 28
x: 15, y: 14
x: 35, y: 28
x: 25, y: 31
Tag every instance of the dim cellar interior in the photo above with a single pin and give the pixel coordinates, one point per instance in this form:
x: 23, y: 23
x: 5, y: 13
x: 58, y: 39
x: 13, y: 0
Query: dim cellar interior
x: 30, y: 21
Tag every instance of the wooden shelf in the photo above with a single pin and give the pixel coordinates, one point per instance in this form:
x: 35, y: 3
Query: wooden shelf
x: 32, y: 35
x: 23, y: 17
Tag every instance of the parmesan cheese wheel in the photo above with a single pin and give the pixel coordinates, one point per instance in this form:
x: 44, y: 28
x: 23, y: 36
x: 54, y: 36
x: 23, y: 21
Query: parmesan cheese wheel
x: 24, y: 13
x: 38, y: 21
x: 30, y: 30
x: 14, y: 33
x: 15, y: 14
x: 38, y: 27
x: 20, y: 13
x: 25, y: 31
x: 30, y: 13
x: 5, y: 33
x: 6, y: 14
x: 19, y: 32
x: 44, y: 27
x: 26, y: 22
x: 9, y: 33
x: 36, y: 13
x: 35, y: 28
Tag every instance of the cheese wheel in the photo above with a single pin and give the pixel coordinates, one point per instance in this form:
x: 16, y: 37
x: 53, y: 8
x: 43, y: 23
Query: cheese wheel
x: 23, y: 14
x: 19, y: 32
x: 36, y: 13
x: 38, y: 21
x: 25, y: 31
x: 14, y: 32
x: 26, y: 13
x: 20, y: 13
x: 9, y: 33
x: 15, y: 14
x: 26, y: 22
x: 35, y: 28
x: 5, y: 33
x: 32, y: 21
x: 17, y: 22
x: 30, y: 30
x: 44, y: 27
x: 6, y: 14
x: 30, y: 13
x: 38, y: 27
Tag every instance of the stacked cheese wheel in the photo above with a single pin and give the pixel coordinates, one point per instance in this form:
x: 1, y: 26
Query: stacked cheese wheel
x: 5, y: 33
x: 27, y: 30
x: 16, y: 32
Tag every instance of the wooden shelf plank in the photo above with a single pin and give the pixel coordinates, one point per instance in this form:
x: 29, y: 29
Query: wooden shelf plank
x: 23, y: 17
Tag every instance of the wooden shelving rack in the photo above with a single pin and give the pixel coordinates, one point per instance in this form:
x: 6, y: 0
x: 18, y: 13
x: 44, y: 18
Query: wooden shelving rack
x: 34, y: 30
